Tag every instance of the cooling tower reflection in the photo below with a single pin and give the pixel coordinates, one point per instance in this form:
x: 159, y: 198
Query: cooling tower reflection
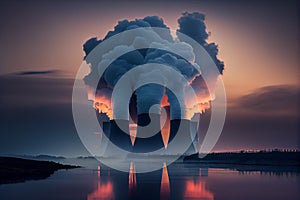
x: 132, y: 181
x: 155, y: 185
x: 165, y: 184
x: 104, y: 190
x: 197, y: 189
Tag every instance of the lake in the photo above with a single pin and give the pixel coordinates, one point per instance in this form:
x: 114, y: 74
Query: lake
x: 177, y: 181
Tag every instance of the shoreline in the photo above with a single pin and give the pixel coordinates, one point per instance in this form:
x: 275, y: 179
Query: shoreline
x: 16, y: 170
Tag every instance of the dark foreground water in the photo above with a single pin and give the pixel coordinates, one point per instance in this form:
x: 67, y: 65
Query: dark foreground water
x: 177, y: 181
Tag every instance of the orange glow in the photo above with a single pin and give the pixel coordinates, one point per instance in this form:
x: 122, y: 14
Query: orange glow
x: 98, y: 171
x: 164, y: 101
x: 202, y: 104
x: 103, y: 105
x: 132, y: 179
x: 101, y: 102
x: 165, y: 184
x: 103, y: 192
x: 197, y: 191
x: 200, y: 107
x: 165, y: 128
x: 165, y: 132
x: 133, y: 130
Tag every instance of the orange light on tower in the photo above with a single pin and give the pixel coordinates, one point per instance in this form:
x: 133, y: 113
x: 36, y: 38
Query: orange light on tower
x: 98, y: 171
x: 132, y: 130
x: 165, y: 125
x: 165, y: 133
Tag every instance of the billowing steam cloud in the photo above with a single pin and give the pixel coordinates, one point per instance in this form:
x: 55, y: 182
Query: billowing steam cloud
x: 145, y: 97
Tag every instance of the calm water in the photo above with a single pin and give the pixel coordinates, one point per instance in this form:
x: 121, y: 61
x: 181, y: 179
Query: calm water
x: 177, y: 181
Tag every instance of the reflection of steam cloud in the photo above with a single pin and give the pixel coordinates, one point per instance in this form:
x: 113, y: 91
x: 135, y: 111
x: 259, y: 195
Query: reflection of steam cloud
x: 147, y: 100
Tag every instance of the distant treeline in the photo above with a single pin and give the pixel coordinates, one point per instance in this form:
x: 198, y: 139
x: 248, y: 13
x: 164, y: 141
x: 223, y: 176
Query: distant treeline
x: 267, y: 158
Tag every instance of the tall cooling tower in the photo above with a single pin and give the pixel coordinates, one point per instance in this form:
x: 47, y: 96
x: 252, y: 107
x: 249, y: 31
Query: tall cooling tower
x: 184, y: 138
x: 119, y: 137
x: 147, y: 140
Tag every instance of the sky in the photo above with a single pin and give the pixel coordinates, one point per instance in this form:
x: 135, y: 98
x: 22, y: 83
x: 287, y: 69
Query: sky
x: 41, y: 51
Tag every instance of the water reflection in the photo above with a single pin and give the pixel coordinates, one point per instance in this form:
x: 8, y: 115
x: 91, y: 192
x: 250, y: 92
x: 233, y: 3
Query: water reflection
x: 175, y: 181
x: 172, y: 182
x: 165, y: 184
x: 132, y: 181
x: 197, y: 190
x: 192, y: 187
x: 104, y: 190
x: 195, y: 187
x: 203, y: 171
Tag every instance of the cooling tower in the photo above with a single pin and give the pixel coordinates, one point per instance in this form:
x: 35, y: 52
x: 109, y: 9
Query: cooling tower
x: 147, y: 139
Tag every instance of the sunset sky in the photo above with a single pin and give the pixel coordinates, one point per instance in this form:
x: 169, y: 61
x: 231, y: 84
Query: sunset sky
x: 258, y: 42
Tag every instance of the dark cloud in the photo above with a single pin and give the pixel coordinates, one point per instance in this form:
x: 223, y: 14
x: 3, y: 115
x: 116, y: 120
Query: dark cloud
x: 280, y: 99
x: 38, y: 72
x: 149, y: 21
x: 271, y: 123
x: 193, y: 25
x: 266, y: 118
